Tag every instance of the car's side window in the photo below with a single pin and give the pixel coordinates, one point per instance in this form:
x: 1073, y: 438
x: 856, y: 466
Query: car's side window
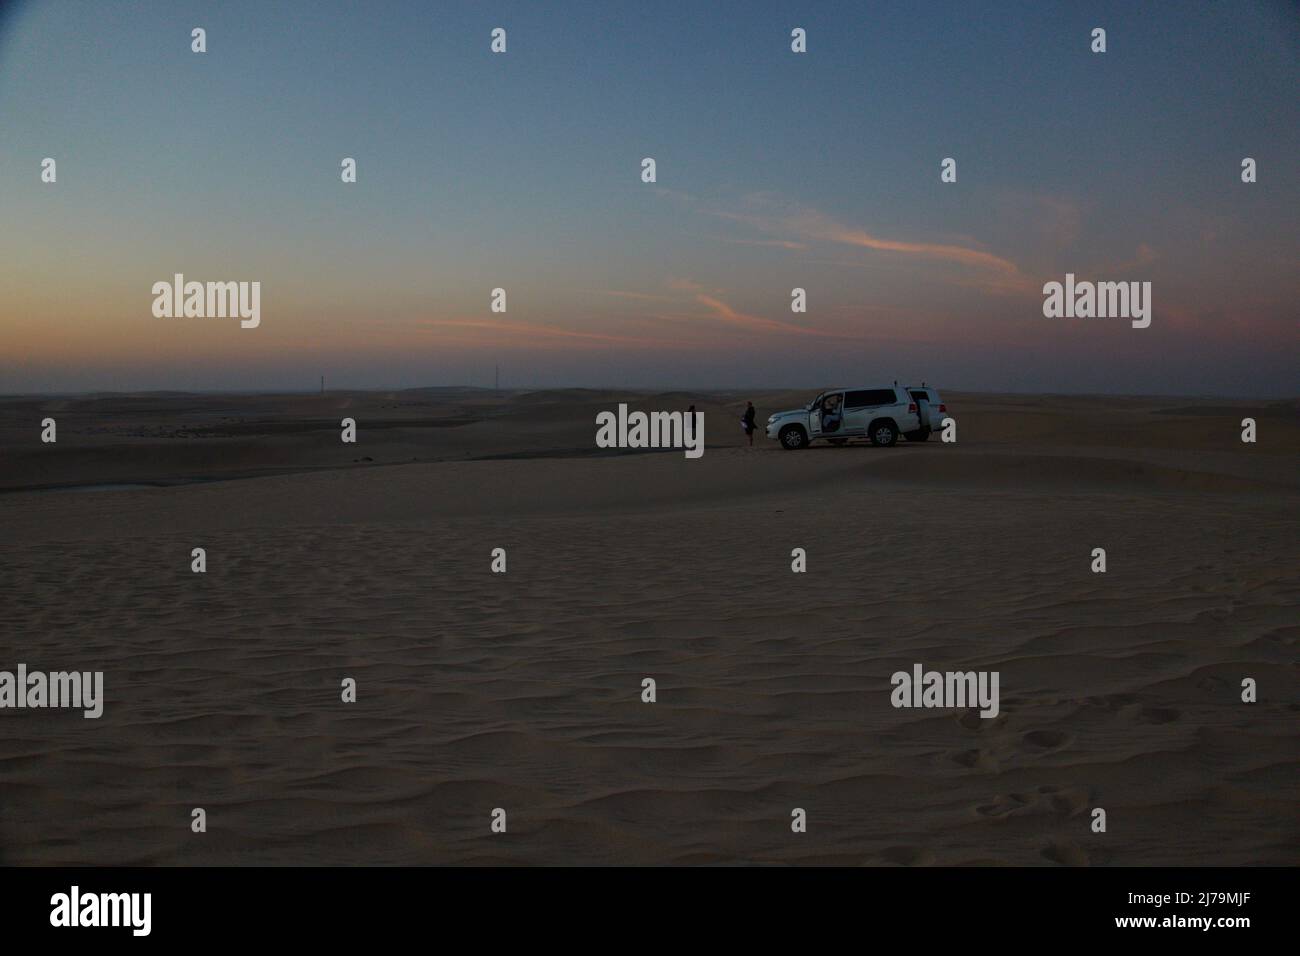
x: 870, y: 398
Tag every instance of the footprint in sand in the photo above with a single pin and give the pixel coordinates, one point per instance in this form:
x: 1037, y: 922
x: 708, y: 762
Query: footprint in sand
x: 1046, y: 739
x: 1067, y: 854
x: 908, y: 856
x: 1159, y: 715
x: 1004, y: 805
x: 982, y: 759
x: 1046, y: 800
x: 1067, y: 803
x: 971, y: 720
x: 1113, y: 702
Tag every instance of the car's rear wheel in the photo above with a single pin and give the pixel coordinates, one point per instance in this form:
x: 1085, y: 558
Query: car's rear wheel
x: 883, y: 434
x: 921, y: 434
x: 793, y: 437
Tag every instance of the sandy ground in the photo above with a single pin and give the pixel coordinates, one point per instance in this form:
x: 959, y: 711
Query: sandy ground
x: 522, y: 690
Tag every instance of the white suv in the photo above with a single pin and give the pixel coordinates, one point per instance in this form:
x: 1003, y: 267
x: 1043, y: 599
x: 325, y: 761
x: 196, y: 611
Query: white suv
x: 838, y: 414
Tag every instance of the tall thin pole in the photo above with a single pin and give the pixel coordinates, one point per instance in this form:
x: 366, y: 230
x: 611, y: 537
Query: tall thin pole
x: 496, y: 382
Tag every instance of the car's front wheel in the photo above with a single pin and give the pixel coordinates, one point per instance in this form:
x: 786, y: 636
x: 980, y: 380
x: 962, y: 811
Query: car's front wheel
x: 883, y: 434
x: 793, y: 437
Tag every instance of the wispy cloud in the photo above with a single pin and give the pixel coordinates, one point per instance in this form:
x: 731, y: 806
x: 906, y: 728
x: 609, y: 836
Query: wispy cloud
x: 686, y: 285
x: 818, y: 227
x: 799, y: 225
x: 778, y: 243
x: 690, y: 295
x: 756, y: 323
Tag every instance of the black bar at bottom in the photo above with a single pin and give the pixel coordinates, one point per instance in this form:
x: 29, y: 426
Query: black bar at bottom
x: 613, y: 906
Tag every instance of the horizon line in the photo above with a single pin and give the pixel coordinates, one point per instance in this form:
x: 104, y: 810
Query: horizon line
x: 625, y: 388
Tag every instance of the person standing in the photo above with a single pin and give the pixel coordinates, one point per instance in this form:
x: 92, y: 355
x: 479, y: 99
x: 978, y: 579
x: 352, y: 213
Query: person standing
x: 748, y: 421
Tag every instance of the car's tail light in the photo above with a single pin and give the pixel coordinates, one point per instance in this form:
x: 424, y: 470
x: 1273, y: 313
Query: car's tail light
x: 943, y: 409
x: 912, y: 407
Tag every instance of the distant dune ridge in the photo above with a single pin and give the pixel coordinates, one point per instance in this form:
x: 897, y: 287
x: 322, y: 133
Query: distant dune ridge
x: 479, y: 690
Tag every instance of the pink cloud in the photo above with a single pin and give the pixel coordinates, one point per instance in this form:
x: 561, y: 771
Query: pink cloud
x: 994, y: 273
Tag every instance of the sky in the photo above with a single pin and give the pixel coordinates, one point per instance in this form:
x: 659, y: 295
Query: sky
x: 775, y: 170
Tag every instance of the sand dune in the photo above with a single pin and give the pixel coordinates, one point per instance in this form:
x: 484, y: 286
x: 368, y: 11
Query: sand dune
x: 522, y: 690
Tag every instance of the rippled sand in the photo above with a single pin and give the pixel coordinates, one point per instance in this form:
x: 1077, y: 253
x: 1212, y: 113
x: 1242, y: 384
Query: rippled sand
x: 522, y: 690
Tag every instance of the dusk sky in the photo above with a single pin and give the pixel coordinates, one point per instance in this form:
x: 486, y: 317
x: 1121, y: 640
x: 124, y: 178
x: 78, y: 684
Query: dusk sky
x: 775, y: 170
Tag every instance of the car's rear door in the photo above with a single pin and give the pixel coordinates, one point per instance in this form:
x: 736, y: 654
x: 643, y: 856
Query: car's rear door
x: 923, y: 408
x: 861, y: 406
